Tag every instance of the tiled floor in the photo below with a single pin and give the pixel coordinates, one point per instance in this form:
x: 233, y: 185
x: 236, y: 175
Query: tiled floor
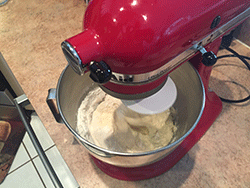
x: 27, y: 170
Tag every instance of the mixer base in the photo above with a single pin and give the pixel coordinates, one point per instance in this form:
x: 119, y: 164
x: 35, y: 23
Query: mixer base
x: 213, y: 107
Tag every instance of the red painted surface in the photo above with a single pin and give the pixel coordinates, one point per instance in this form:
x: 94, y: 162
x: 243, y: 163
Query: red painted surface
x: 138, y: 36
x: 135, y: 36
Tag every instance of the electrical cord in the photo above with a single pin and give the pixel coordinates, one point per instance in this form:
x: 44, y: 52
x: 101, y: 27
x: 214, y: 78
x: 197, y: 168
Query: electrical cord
x: 243, y: 59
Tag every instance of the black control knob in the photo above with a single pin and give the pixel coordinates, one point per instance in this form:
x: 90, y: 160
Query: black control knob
x: 208, y: 58
x: 100, y: 72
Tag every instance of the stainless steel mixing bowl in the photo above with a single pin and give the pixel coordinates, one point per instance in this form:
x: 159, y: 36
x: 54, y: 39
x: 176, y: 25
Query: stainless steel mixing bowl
x: 190, y: 102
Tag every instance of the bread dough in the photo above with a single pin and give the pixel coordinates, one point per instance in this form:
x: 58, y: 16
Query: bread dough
x: 108, y: 123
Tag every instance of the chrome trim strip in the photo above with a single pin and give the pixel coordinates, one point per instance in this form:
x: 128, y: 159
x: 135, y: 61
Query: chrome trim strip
x: 73, y: 58
x: 140, y: 79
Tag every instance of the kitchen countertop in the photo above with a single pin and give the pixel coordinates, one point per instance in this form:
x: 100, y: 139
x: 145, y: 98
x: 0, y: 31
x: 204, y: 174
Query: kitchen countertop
x: 30, y: 37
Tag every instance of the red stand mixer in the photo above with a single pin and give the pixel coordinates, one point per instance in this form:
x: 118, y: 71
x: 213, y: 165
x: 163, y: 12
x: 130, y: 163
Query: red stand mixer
x: 130, y: 47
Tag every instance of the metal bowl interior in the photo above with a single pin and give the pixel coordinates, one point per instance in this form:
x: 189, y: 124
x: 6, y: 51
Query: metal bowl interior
x: 72, y: 89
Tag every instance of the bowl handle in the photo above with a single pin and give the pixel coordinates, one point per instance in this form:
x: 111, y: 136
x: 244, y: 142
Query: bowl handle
x: 51, y: 103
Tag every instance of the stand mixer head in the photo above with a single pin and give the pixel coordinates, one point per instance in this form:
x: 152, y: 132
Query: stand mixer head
x: 161, y: 97
x: 132, y: 46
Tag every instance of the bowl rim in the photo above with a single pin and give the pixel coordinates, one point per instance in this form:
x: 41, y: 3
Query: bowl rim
x: 102, y: 152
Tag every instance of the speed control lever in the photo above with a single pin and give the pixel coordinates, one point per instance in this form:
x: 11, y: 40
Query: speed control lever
x: 208, y: 58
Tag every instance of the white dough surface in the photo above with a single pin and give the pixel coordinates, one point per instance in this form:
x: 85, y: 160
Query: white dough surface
x: 108, y: 123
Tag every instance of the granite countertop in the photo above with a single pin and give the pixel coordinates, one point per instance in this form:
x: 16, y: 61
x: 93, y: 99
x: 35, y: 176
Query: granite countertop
x: 30, y: 37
